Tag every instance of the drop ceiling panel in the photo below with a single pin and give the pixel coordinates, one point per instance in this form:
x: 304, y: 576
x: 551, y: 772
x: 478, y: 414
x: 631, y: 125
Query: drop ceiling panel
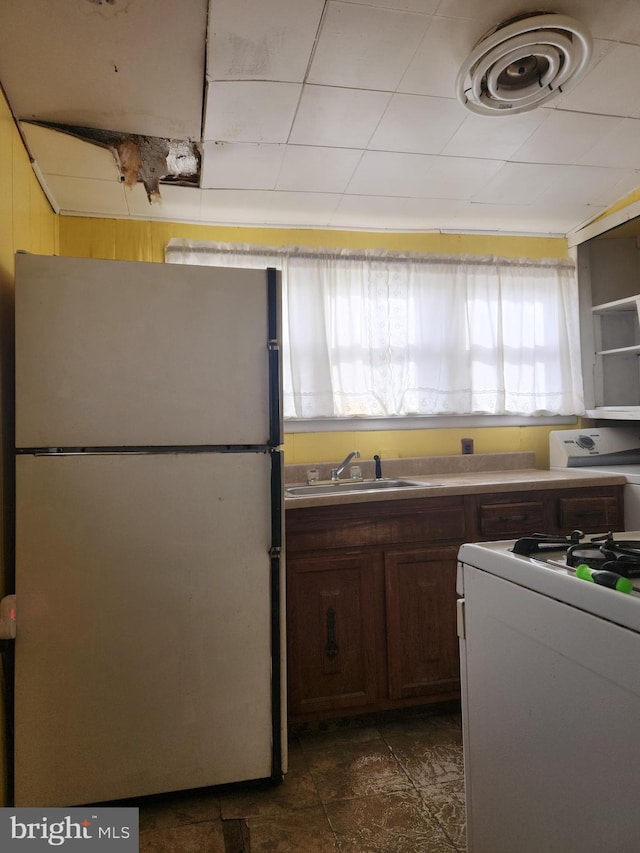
x: 88, y: 196
x: 178, y: 204
x: 246, y: 39
x: 534, y: 219
x: 240, y: 165
x: 518, y: 184
x: 315, y: 169
x: 365, y: 47
x: 328, y: 115
x: 61, y: 154
x: 610, y: 87
x: 619, y: 147
x: 421, y: 176
x: 419, y: 124
x: 250, y: 111
x: 492, y: 138
x: 235, y: 207
x: 588, y: 185
x: 314, y: 209
x: 381, y: 212
x: 387, y: 174
x: 105, y: 65
x: 460, y: 177
x: 564, y: 137
x: 434, y: 67
x: 427, y: 6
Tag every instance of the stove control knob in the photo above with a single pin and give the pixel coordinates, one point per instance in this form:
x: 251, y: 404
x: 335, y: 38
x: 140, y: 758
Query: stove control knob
x: 586, y: 442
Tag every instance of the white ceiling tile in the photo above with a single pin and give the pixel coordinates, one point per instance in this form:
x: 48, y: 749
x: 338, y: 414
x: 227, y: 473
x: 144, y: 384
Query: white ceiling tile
x: 253, y: 111
x: 564, y: 137
x: 135, y: 67
x: 493, y: 137
x: 355, y: 211
x: 460, y: 177
x: 346, y: 118
x: 620, y: 147
x: 365, y: 47
x: 178, y: 204
x: 314, y: 169
x: 611, y: 86
x: 518, y: 183
x: 88, y: 195
x: 417, y: 123
x: 388, y: 174
x: 616, y: 20
x: 489, y: 12
x: 590, y: 185
x: 293, y: 209
x: 59, y: 153
x: 434, y: 68
x: 246, y: 39
x: 515, y: 219
x: 420, y: 175
x: 235, y: 207
x: 424, y: 6
x: 240, y: 165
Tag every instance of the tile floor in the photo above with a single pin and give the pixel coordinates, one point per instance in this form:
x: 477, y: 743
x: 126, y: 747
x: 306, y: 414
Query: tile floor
x: 386, y: 784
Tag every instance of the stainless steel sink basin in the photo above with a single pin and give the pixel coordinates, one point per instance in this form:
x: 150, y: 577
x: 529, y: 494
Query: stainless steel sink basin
x: 340, y: 486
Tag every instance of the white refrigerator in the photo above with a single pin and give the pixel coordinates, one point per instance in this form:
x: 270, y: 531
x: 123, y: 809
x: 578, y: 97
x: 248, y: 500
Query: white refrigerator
x: 149, y: 516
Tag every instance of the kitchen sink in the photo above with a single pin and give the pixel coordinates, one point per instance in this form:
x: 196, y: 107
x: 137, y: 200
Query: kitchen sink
x: 329, y: 487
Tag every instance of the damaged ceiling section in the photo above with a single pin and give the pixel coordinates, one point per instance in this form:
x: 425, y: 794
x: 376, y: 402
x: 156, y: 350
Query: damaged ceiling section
x: 150, y: 160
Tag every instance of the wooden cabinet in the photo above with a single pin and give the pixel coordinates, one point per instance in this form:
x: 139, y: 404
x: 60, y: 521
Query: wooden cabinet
x: 422, y: 643
x: 371, y: 614
x: 332, y: 614
x: 371, y: 598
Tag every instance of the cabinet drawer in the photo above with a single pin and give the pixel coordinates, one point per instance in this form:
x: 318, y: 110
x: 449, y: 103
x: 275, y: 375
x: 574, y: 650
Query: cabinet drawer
x: 507, y: 520
x: 377, y: 523
x: 593, y: 514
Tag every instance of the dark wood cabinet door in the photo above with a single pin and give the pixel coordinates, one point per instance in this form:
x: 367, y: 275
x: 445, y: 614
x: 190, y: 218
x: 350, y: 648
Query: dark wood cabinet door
x: 331, y: 618
x: 422, y: 641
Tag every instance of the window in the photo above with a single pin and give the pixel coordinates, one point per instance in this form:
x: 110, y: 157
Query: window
x: 378, y: 335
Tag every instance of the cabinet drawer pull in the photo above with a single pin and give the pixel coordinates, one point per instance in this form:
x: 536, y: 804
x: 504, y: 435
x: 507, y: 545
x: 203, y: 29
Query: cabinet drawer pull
x: 513, y: 518
x: 331, y: 649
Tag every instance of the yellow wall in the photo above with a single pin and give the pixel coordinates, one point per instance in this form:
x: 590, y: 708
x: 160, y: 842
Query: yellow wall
x: 26, y: 222
x: 145, y: 241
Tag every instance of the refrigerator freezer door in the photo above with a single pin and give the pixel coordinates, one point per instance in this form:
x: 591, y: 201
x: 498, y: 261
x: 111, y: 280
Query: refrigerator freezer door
x: 112, y: 353
x: 143, y: 657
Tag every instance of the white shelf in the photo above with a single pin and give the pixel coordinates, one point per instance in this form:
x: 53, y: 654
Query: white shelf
x: 630, y: 303
x: 634, y: 350
x: 616, y: 413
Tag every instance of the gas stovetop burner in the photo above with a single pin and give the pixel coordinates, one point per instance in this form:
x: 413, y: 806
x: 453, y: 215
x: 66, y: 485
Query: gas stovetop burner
x: 602, y: 553
x: 608, y: 554
x: 540, y: 543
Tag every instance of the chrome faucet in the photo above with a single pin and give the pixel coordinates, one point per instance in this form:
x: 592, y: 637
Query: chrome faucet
x: 335, y: 472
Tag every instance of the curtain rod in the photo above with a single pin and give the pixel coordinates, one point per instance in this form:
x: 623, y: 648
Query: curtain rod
x: 176, y: 246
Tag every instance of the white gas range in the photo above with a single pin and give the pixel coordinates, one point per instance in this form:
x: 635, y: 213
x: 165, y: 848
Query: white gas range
x: 550, y: 698
x: 607, y: 450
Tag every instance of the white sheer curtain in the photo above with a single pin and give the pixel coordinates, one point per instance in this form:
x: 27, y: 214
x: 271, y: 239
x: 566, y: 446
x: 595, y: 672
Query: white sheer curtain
x: 375, y: 334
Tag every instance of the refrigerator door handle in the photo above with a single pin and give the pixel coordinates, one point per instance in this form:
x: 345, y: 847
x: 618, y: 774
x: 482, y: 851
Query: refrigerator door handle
x: 275, y: 366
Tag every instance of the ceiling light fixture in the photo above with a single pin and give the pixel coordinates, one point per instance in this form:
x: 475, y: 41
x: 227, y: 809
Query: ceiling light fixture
x: 524, y: 63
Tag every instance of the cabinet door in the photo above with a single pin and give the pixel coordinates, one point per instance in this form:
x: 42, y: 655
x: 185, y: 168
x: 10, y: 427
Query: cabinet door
x: 331, y: 632
x: 422, y: 642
